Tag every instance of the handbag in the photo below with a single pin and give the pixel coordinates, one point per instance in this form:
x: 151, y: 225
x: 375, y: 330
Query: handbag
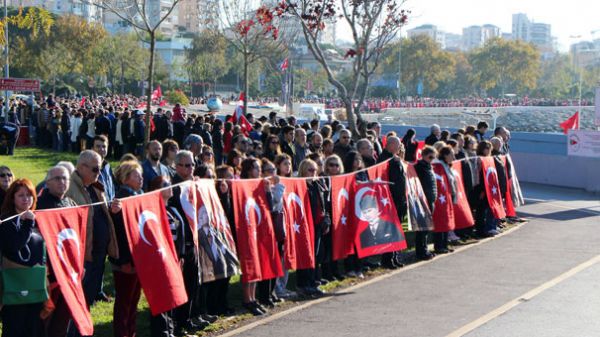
x: 24, y: 285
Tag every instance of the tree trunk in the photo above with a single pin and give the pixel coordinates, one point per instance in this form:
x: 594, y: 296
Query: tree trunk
x: 350, y: 116
x: 150, y: 86
x: 245, y: 83
x: 122, y: 78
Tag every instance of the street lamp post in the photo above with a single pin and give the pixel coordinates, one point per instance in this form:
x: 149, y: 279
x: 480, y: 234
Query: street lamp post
x: 6, y: 68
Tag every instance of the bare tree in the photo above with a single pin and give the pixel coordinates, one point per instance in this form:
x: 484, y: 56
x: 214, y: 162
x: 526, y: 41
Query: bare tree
x: 145, y: 20
x: 253, y: 30
x: 372, y: 23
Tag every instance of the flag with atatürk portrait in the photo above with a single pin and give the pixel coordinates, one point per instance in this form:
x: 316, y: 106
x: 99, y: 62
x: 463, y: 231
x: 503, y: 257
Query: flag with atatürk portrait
x: 217, y: 253
x: 419, y: 214
x: 378, y: 229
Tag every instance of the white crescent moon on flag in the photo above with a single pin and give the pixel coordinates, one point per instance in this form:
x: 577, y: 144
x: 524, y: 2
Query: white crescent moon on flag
x: 296, y: 198
x: 144, y: 218
x: 342, y: 194
x: 358, y: 199
x: 251, y: 203
x: 66, y: 234
x: 488, y: 171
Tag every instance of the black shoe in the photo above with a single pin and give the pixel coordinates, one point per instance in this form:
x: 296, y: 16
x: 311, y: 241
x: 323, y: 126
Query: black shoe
x: 317, y: 292
x: 276, y: 299
x: 200, y: 323
x: 253, y: 309
x: 451, y: 250
x: 389, y: 265
x: 425, y: 257
x: 442, y: 251
x: 339, y: 277
x: 267, y: 303
x: 398, y: 263
x: 323, y: 281
x: 102, y: 297
x: 209, y: 318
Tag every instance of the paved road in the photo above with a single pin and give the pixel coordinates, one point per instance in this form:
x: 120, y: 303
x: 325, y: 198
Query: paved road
x: 445, y: 295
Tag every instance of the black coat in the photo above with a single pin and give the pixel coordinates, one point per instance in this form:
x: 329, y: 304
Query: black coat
x: 427, y: 179
x: 431, y: 139
x: 20, y: 243
x: 117, y: 218
x: 398, y: 177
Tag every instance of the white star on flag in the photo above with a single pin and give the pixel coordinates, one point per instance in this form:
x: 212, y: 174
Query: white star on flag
x: 443, y: 199
x: 161, y: 252
x: 343, y: 219
x: 494, y: 190
x: 385, y: 201
x: 296, y: 228
x: 74, y: 277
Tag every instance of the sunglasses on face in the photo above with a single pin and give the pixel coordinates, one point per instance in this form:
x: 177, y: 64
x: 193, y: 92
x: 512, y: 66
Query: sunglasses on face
x: 4, y: 175
x: 94, y: 169
x: 186, y: 165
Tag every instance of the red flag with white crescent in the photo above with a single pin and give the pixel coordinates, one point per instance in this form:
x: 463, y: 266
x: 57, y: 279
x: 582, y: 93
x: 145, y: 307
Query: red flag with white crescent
x: 257, y: 246
x: 153, y: 252
x: 82, y: 103
x: 510, y: 205
x: 214, y: 235
x: 299, y: 242
x: 492, y: 187
x: 420, y: 147
x: 443, y: 213
x: 463, y: 217
x: 380, y: 172
x: 378, y: 229
x: 64, y: 231
x: 342, y: 230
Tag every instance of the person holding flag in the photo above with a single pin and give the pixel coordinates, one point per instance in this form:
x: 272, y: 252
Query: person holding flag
x: 426, y: 177
x: 21, y: 314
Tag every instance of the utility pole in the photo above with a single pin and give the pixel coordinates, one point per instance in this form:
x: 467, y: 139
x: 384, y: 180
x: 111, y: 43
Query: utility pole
x: 400, y: 65
x: 6, y: 68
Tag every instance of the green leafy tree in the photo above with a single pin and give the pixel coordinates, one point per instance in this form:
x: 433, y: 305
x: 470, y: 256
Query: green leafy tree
x: 206, y: 59
x: 423, y: 61
x: 502, y: 66
x: 177, y: 97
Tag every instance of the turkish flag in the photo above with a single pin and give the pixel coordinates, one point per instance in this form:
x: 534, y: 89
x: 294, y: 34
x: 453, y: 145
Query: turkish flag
x: 162, y: 103
x: 510, y: 206
x: 156, y: 94
x: 218, y: 256
x: 299, y: 242
x: 257, y: 246
x: 342, y: 230
x: 188, y: 198
x: 378, y: 229
x: 64, y: 231
x: 420, y: 146
x: 463, y: 217
x: 492, y: 187
x: 82, y: 103
x: 443, y: 213
x: 572, y: 123
x: 238, y: 118
x: 379, y: 172
x: 419, y: 214
x: 153, y: 252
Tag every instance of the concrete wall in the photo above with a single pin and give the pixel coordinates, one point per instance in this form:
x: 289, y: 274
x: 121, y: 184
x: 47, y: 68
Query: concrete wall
x: 541, y: 158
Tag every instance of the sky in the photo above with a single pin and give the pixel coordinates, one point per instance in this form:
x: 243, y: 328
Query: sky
x: 568, y: 18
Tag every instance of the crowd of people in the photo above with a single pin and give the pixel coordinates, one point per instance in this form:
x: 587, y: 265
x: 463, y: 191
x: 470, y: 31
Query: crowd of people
x: 185, y: 147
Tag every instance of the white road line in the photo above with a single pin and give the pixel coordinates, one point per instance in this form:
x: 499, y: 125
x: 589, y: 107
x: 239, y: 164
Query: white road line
x: 523, y: 298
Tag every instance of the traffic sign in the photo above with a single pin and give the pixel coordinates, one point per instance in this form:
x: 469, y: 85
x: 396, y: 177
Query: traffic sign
x: 19, y: 84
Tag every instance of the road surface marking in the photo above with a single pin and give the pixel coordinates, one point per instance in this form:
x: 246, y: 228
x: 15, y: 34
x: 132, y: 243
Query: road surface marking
x: 353, y: 288
x: 523, y: 298
x: 584, y: 210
